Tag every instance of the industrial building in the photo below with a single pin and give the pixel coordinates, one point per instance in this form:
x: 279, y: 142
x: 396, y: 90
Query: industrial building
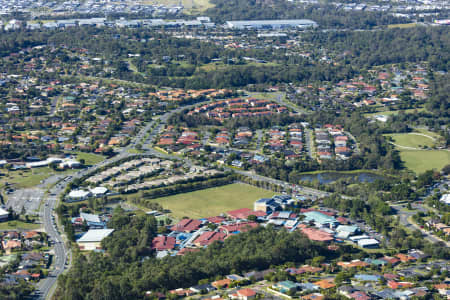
x: 271, y: 24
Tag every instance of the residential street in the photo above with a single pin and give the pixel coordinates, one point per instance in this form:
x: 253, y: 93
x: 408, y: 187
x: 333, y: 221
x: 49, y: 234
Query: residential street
x: 404, y: 217
x: 145, y: 136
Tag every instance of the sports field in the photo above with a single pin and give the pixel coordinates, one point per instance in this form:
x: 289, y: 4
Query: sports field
x: 191, y: 6
x: 420, y: 161
x: 413, y: 140
x: 413, y: 148
x: 213, y: 201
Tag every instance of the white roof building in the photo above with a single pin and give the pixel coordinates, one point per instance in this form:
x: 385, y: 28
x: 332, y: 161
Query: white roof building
x: 92, y: 239
x: 90, y: 217
x: 71, y: 163
x: 4, y: 214
x: 445, y: 199
x: 270, y: 24
x: 99, y: 190
x: 43, y: 163
x: 78, y: 195
x: 359, y: 237
x: 368, y: 243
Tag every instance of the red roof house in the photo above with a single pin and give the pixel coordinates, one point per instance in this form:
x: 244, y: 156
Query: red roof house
x: 244, y: 213
x: 208, y: 237
x: 399, y: 285
x: 316, y: 234
x: 161, y: 243
x: 238, y: 227
x: 187, y: 225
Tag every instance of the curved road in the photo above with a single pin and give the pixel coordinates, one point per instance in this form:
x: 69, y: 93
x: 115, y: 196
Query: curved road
x: 405, y: 215
x: 46, y: 286
x: 60, y: 250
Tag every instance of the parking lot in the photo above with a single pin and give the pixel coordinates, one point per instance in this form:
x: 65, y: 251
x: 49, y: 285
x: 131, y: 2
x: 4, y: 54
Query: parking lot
x: 28, y: 199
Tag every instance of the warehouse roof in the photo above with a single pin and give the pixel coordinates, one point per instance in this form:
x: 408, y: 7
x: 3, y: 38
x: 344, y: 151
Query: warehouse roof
x: 95, y: 235
x: 245, y: 23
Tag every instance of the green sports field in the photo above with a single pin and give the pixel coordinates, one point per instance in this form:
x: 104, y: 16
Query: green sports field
x: 413, y: 140
x: 421, y: 161
x: 411, y: 148
x: 213, y: 201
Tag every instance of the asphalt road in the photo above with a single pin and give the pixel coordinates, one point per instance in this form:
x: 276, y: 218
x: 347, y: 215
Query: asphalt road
x: 404, y: 215
x: 299, y: 189
x: 46, y: 286
x: 44, y: 289
x: 146, y: 135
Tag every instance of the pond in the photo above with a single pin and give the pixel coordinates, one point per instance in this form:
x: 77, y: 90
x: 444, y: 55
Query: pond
x: 328, y: 177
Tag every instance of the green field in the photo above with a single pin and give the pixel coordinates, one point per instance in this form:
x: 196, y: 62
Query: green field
x: 192, y: 6
x: 18, y: 225
x: 29, y: 177
x: 404, y: 25
x: 395, y: 112
x: 421, y: 161
x: 413, y: 140
x: 90, y: 158
x: 213, y: 201
x: 427, y: 132
x: 411, y: 148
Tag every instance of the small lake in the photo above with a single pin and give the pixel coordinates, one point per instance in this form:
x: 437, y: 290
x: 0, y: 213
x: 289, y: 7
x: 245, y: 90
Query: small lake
x: 328, y: 177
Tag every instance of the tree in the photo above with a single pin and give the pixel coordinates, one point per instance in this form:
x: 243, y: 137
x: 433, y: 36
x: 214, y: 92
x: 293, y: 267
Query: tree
x: 252, y: 218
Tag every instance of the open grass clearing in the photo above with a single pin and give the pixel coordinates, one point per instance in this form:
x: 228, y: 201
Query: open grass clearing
x: 213, y: 201
x: 267, y: 96
x: 190, y: 6
x: 421, y: 161
x: 412, y: 139
x: 404, y: 25
x: 29, y: 177
x: 427, y: 132
x: 90, y: 158
x: 10, y: 225
x: 395, y: 112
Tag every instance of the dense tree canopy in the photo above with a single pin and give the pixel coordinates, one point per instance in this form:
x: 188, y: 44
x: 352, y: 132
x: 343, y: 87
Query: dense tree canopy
x: 125, y: 273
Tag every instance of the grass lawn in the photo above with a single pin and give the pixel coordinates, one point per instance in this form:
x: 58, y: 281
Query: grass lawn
x: 213, y: 201
x: 90, y: 158
x: 404, y: 25
x: 191, y: 6
x: 197, y: 5
x: 18, y: 225
x: 267, y: 96
x: 29, y: 177
x: 429, y: 133
x: 395, y: 112
x: 421, y: 161
x: 414, y: 140
x: 135, y: 151
x: 25, y: 178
